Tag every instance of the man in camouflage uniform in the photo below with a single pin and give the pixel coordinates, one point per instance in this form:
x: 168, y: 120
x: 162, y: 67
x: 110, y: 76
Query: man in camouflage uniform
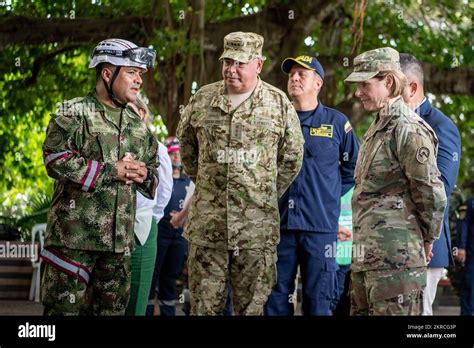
x: 100, y: 153
x: 399, y: 199
x: 242, y: 146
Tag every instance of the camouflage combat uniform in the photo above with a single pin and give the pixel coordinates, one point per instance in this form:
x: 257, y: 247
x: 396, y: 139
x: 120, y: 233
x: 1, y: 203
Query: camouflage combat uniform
x: 241, y: 160
x: 90, y: 221
x: 398, y: 204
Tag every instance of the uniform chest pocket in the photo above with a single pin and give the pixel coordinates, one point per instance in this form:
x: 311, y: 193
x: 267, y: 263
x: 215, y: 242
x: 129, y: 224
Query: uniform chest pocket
x: 378, y: 163
x: 213, y: 138
x: 322, y: 149
x: 100, y: 136
x: 137, y: 143
x: 263, y: 132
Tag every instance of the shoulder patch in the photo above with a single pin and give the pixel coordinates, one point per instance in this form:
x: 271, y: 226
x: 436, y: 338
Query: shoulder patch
x: 55, y: 138
x: 75, y: 107
x: 422, y: 154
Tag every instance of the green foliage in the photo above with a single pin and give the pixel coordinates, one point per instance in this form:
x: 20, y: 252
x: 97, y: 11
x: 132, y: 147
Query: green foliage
x: 37, y: 213
x: 435, y: 33
x: 27, y: 106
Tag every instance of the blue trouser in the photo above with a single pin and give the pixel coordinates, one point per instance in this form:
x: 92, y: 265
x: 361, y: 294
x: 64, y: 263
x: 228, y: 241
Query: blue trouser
x: 229, y: 308
x: 318, y: 273
x: 341, y: 275
x: 170, y: 260
x: 467, y: 287
x: 341, y: 303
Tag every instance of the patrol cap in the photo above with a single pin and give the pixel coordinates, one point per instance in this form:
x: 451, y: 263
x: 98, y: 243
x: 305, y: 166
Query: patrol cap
x: 370, y: 63
x: 242, y: 47
x: 307, y: 62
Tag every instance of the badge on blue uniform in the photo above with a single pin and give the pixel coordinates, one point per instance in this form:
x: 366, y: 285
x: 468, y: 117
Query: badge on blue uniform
x: 326, y: 130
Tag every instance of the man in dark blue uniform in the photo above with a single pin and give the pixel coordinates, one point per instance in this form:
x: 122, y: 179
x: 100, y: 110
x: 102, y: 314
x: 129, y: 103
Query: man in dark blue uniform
x: 449, y: 152
x: 172, y: 246
x: 465, y: 255
x: 310, y: 208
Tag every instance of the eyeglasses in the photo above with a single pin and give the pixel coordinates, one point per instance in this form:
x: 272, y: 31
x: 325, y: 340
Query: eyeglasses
x: 227, y: 63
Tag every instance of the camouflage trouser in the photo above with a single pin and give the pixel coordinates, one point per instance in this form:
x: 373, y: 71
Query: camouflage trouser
x: 107, y: 292
x: 388, y: 292
x: 252, y: 275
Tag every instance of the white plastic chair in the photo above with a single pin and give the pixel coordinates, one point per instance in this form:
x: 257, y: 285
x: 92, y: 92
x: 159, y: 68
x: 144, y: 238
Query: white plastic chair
x: 36, y: 261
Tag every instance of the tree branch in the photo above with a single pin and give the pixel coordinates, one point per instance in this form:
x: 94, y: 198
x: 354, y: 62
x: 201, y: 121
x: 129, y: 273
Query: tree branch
x: 40, y: 61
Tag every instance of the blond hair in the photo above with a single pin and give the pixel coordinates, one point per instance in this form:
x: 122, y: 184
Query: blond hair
x: 399, y: 81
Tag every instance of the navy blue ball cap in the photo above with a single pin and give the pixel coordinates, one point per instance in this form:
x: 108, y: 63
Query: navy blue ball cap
x: 307, y: 62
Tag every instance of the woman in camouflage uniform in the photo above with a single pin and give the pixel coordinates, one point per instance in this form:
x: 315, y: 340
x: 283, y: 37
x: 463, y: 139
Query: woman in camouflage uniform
x: 399, y: 199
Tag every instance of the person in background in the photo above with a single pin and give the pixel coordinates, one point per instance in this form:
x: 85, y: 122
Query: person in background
x: 149, y: 213
x: 342, y: 303
x: 309, y: 209
x: 447, y: 159
x: 455, y: 271
x: 172, y: 247
x: 465, y: 255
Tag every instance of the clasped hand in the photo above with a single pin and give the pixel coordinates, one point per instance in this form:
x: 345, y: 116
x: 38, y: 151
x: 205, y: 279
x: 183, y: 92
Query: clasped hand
x: 131, y: 171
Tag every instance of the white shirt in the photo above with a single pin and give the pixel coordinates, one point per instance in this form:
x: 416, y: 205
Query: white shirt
x: 148, y: 208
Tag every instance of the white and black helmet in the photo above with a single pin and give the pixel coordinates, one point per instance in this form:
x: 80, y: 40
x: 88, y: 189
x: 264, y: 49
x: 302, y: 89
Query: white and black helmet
x: 122, y: 53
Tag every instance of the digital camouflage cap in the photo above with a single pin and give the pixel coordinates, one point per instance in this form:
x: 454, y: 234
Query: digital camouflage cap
x: 370, y: 63
x: 242, y: 47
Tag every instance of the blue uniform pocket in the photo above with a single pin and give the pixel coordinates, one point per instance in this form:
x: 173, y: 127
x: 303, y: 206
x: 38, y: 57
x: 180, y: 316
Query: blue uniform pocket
x: 324, y: 150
